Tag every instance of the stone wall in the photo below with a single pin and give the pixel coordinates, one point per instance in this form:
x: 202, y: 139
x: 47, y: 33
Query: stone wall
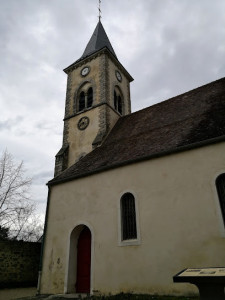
x: 19, y: 263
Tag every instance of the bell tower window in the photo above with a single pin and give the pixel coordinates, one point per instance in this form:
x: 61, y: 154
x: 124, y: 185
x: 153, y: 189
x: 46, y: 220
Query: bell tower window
x: 90, y: 97
x: 115, y: 100
x: 85, y: 97
x: 81, y: 101
x: 118, y: 104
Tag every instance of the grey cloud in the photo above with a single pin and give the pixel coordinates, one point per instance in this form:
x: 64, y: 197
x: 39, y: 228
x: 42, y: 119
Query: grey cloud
x: 10, y: 123
x: 42, y: 177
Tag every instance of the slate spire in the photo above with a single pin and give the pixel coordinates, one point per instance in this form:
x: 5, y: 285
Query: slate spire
x: 98, y: 41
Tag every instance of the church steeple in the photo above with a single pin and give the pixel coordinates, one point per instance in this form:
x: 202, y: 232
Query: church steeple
x: 98, y: 94
x: 98, y: 41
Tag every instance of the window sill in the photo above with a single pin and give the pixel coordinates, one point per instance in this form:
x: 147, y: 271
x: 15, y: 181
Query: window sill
x: 84, y: 110
x: 135, y: 242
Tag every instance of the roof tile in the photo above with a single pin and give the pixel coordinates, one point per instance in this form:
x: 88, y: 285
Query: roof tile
x: 185, y: 120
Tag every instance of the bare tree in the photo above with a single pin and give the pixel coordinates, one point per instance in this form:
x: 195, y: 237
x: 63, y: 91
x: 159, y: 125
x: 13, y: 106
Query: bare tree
x: 16, y: 207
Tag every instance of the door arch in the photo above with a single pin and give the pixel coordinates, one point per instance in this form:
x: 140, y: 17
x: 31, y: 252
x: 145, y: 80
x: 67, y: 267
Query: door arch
x: 72, y: 281
x: 84, y: 261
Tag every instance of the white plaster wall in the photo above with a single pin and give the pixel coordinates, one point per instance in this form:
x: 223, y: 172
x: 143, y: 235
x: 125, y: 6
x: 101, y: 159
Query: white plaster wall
x: 179, y: 217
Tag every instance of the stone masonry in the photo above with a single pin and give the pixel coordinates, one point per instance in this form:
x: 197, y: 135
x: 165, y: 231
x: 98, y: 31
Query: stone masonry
x: 19, y: 263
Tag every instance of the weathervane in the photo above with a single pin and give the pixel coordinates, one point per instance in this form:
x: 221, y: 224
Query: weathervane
x: 99, y: 10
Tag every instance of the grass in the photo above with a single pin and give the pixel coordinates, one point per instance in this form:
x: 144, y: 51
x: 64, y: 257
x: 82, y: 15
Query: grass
x: 141, y: 297
x: 114, y: 297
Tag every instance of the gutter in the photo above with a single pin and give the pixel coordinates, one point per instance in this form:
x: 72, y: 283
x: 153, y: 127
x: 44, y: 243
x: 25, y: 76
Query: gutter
x: 140, y: 159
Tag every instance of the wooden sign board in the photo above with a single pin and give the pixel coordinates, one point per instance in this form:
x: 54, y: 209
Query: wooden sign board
x: 210, y: 281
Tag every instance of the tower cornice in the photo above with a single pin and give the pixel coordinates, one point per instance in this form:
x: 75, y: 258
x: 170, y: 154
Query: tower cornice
x: 104, y: 50
x: 94, y: 106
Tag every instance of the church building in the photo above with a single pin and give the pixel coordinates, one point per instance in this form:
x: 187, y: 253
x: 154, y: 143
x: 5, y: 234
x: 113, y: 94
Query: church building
x: 136, y: 197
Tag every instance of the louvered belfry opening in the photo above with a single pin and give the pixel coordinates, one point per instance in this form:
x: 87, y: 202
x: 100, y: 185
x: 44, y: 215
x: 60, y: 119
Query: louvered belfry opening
x: 118, y: 105
x: 81, y: 101
x: 220, y: 185
x: 115, y: 100
x: 128, y: 215
x: 90, y: 97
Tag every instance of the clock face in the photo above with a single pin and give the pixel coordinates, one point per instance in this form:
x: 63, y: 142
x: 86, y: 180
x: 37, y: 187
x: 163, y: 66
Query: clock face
x: 83, y: 123
x: 85, y: 71
x: 118, y: 76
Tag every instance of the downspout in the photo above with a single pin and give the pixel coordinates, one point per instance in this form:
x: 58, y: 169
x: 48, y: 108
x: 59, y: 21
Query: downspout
x: 43, y: 242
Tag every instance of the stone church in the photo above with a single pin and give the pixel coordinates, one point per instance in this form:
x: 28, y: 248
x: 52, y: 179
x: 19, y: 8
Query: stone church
x: 136, y: 197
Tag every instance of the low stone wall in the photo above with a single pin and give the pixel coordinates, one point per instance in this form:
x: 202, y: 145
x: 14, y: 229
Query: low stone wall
x: 19, y: 263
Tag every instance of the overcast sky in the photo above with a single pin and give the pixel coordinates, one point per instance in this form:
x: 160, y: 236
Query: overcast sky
x: 168, y: 46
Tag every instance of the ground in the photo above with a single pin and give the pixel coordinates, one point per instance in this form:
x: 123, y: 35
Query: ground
x: 8, y: 294
x: 29, y: 294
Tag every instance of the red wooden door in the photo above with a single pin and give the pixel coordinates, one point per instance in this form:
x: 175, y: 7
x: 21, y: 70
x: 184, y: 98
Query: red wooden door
x: 84, y: 261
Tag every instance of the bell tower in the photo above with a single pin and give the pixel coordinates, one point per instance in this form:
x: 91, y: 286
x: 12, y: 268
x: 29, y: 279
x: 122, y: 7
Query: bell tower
x: 98, y: 94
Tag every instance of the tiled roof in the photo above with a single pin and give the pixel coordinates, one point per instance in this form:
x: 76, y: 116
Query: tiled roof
x: 185, y: 121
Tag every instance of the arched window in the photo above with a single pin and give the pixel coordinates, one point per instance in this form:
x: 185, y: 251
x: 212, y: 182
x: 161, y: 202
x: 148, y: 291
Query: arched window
x: 128, y: 217
x: 90, y: 97
x: 84, y: 98
x: 115, y: 100
x: 119, y: 105
x: 220, y: 185
x: 118, y: 101
x: 81, y: 101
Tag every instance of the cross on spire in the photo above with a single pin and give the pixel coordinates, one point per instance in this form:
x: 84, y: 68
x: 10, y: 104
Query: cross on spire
x: 99, y: 11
